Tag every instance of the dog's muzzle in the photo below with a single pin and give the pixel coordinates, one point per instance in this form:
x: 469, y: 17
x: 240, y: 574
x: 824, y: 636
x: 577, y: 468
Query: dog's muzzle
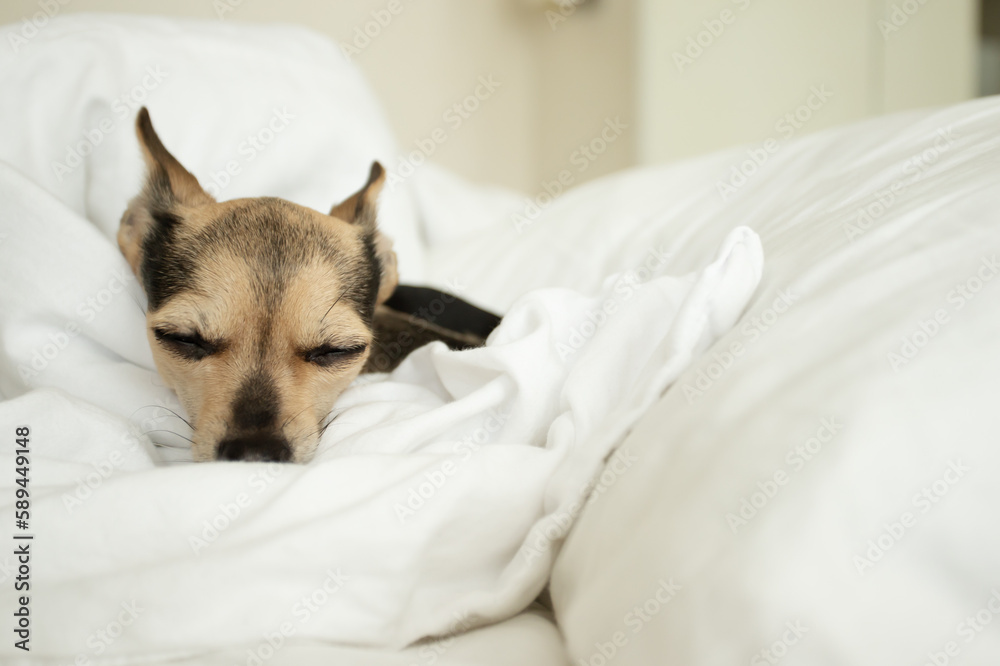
x: 259, y: 446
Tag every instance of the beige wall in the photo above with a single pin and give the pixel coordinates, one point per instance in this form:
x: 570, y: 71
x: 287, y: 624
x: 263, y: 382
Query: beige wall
x: 932, y: 59
x: 586, y: 69
x: 563, y: 76
x: 759, y: 61
x: 556, y: 86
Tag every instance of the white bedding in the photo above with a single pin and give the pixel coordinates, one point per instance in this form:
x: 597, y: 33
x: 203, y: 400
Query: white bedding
x: 435, y: 503
x: 438, y: 498
x: 872, y: 396
x: 862, y: 287
x: 253, y: 110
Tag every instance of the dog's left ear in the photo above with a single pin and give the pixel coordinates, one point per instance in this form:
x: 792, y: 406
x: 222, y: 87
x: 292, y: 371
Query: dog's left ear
x: 169, y: 191
x: 360, y: 208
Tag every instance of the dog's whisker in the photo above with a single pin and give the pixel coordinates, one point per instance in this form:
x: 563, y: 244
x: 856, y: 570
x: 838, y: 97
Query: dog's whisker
x: 186, y: 422
x: 329, y: 423
x: 160, y: 445
x: 323, y: 426
x: 299, y: 436
x: 294, y: 416
x: 172, y: 433
x: 334, y: 303
x: 130, y: 416
x: 137, y: 303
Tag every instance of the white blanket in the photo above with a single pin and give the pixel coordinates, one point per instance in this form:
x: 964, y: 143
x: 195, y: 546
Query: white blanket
x: 438, y: 498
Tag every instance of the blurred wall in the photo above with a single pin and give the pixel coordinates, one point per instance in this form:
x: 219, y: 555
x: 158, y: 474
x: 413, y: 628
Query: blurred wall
x: 720, y: 72
x: 559, y: 76
x: 989, y: 48
x: 665, y: 78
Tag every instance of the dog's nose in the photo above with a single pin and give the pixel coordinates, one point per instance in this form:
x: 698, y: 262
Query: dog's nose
x: 258, y: 446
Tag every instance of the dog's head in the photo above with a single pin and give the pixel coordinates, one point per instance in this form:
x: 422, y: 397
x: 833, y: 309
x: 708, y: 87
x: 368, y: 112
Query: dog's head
x: 260, y: 311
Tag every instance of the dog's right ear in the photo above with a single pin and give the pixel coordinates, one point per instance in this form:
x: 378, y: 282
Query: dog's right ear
x: 169, y: 188
x: 360, y: 209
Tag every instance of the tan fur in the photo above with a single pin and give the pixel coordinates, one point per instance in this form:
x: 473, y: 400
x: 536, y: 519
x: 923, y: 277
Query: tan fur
x: 365, y: 200
x: 224, y: 303
x: 226, y: 310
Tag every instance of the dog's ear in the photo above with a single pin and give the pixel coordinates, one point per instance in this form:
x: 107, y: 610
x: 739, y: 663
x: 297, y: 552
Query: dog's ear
x: 360, y: 208
x: 168, y: 189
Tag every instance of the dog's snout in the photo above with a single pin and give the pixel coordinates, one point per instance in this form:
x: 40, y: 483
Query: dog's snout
x: 260, y: 446
x: 253, y: 435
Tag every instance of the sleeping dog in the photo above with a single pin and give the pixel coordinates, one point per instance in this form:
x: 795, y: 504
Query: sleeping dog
x: 261, y: 312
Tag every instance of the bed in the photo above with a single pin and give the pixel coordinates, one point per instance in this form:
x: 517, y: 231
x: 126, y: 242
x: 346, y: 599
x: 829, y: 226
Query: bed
x: 812, y: 482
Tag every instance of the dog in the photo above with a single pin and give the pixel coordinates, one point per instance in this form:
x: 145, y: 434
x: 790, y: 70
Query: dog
x: 261, y: 312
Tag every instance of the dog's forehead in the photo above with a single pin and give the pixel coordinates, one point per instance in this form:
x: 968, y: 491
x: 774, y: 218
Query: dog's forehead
x: 271, y: 234
x: 227, y: 304
x: 254, y: 248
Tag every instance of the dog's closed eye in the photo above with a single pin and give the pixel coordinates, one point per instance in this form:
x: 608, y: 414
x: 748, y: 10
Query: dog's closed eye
x: 186, y: 345
x: 329, y: 355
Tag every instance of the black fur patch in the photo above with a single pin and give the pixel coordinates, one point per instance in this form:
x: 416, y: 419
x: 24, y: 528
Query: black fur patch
x: 364, y: 288
x: 258, y: 446
x: 256, y: 405
x: 165, y: 271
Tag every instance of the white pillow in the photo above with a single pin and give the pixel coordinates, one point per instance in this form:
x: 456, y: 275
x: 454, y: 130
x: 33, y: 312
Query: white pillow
x: 821, y: 487
x: 249, y: 110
